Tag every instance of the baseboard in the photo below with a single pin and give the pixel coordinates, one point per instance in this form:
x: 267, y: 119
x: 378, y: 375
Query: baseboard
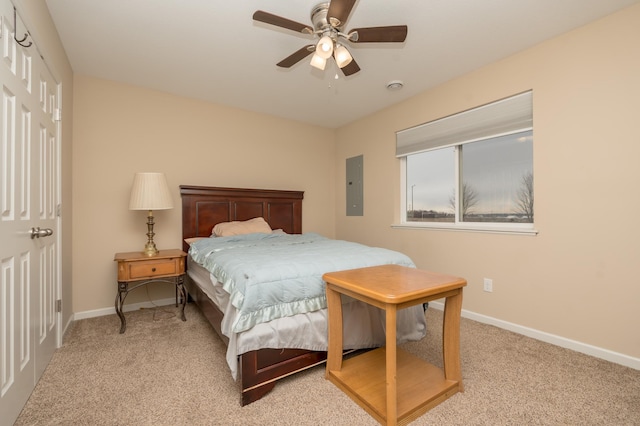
x: 132, y: 307
x: 584, y: 348
x: 574, y: 345
x: 66, y: 326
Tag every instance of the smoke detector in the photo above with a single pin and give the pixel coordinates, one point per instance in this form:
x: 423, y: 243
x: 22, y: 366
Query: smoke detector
x: 395, y: 85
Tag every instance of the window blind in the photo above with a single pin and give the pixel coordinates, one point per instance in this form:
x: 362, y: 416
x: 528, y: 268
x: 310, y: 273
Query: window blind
x: 505, y: 116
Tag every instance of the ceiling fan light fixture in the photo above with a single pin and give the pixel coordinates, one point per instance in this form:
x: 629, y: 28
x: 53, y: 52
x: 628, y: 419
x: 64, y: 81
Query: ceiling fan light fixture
x: 318, y: 61
x: 327, y: 20
x: 324, y: 48
x: 342, y: 56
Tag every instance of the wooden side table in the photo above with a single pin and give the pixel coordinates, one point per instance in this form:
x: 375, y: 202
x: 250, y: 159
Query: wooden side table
x: 392, y: 385
x: 135, y: 269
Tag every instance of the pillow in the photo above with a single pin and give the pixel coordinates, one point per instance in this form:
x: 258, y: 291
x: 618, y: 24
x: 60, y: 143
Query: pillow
x: 257, y: 224
x: 189, y: 241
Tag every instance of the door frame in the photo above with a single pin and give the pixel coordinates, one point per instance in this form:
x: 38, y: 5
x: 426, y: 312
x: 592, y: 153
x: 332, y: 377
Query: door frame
x: 58, y: 178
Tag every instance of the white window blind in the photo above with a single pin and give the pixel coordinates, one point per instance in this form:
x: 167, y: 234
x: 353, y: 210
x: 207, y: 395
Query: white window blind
x: 502, y: 117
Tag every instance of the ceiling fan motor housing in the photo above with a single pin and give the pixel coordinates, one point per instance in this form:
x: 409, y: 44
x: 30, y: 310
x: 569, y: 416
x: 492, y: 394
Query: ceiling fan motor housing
x: 319, y: 18
x: 324, y: 27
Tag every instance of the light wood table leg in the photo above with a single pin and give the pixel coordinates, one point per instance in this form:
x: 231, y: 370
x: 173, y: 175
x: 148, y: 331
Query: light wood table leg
x: 391, y: 365
x: 451, y: 338
x: 335, y: 331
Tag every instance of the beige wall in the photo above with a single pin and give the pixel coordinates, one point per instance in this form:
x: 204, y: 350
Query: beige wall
x: 37, y: 19
x: 577, y: 278
x: 120, y: 130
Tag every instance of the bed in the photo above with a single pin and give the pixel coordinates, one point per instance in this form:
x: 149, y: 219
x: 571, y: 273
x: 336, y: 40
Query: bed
x: 261, y: 352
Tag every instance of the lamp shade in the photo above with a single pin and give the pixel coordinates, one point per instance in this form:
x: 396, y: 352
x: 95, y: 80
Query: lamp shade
x: 324, y: 48
x: 342, y: 56
x: 318, y: 61
x: 150, y: 192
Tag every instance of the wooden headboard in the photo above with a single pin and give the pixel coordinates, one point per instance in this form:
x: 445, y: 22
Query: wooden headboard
x: 203, y: 207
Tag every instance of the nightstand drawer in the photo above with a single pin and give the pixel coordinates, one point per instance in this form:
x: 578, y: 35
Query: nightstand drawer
x: 152, y: 268
x: 135, y: 266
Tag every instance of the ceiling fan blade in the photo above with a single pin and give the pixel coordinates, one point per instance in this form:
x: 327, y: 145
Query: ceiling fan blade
x: 351, y: 68
x: 392, y: 34
x: 339, y: 11
x: 279, y: 21
x: 296, y: 56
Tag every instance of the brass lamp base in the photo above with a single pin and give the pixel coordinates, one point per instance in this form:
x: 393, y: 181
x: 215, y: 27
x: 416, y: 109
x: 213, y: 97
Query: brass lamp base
x: 150, y: 248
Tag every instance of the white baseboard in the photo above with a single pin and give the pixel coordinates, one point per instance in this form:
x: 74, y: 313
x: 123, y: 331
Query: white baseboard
x: 584, y: 348
x: 126, y: 308
x: 66, y: 326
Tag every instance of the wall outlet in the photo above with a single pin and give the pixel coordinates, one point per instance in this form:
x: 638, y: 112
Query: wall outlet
x: 488, y: 285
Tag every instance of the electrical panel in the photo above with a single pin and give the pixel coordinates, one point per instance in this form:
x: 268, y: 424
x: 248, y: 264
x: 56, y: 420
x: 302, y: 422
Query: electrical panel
x: 355, y: 193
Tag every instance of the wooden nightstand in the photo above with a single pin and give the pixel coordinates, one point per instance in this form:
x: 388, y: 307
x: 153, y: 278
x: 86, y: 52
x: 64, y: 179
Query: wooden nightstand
x: 395, y: 387
x: 136, y: 269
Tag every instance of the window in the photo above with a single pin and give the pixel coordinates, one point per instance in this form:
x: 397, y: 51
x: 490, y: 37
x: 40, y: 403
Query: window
x: 472, y: 170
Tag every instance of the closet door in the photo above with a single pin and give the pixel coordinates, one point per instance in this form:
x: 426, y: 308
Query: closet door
x: 29, y: 247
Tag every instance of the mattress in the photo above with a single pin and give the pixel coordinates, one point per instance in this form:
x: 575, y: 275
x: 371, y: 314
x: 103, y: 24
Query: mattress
x: 364, y: 324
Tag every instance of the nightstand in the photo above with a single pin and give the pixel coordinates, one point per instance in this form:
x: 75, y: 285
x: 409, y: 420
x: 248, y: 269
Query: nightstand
x: 392, y: 385
x: 135, y: 269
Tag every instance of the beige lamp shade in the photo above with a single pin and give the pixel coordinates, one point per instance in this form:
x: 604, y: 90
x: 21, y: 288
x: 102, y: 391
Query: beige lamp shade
x: 150, y: 192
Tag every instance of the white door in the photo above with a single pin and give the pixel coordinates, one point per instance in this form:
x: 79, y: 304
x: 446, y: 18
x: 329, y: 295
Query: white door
x: 29, y: 181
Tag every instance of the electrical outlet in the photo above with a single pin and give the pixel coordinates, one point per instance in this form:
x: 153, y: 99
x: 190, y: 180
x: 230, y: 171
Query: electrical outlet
x: 488, y: 285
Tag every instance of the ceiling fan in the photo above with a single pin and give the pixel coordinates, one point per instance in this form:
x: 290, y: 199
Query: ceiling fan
x: 328, y: 21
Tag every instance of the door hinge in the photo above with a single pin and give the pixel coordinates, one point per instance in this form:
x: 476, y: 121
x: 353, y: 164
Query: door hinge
x: 59, y: 305
x: 57, y: 115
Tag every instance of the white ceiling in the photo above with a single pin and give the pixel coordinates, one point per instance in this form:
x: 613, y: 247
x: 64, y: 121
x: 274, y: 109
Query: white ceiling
x: 213, y: 50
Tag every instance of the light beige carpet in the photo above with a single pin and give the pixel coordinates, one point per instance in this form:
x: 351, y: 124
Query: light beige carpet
x: 163, y: 371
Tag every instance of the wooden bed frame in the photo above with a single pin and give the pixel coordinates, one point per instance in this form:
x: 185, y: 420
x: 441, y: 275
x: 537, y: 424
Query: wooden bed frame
x: 204, y: 207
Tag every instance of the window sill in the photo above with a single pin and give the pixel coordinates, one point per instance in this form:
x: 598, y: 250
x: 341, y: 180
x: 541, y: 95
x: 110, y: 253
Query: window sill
x: 512, y: 229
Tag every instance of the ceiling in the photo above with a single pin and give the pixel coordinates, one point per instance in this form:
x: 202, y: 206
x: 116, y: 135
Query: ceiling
x: 212, y: 50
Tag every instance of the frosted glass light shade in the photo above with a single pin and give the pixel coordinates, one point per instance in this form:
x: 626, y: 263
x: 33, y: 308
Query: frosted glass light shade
x: 150, y: 192
x: 318, y: 61
x: 342, y: 56
x: 324, y: 48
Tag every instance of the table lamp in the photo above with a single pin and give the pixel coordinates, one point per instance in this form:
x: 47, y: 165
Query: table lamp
x: 150, y: 192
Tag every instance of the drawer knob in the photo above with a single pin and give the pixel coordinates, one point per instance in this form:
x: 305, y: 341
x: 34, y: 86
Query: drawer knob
x: 153, y: 269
